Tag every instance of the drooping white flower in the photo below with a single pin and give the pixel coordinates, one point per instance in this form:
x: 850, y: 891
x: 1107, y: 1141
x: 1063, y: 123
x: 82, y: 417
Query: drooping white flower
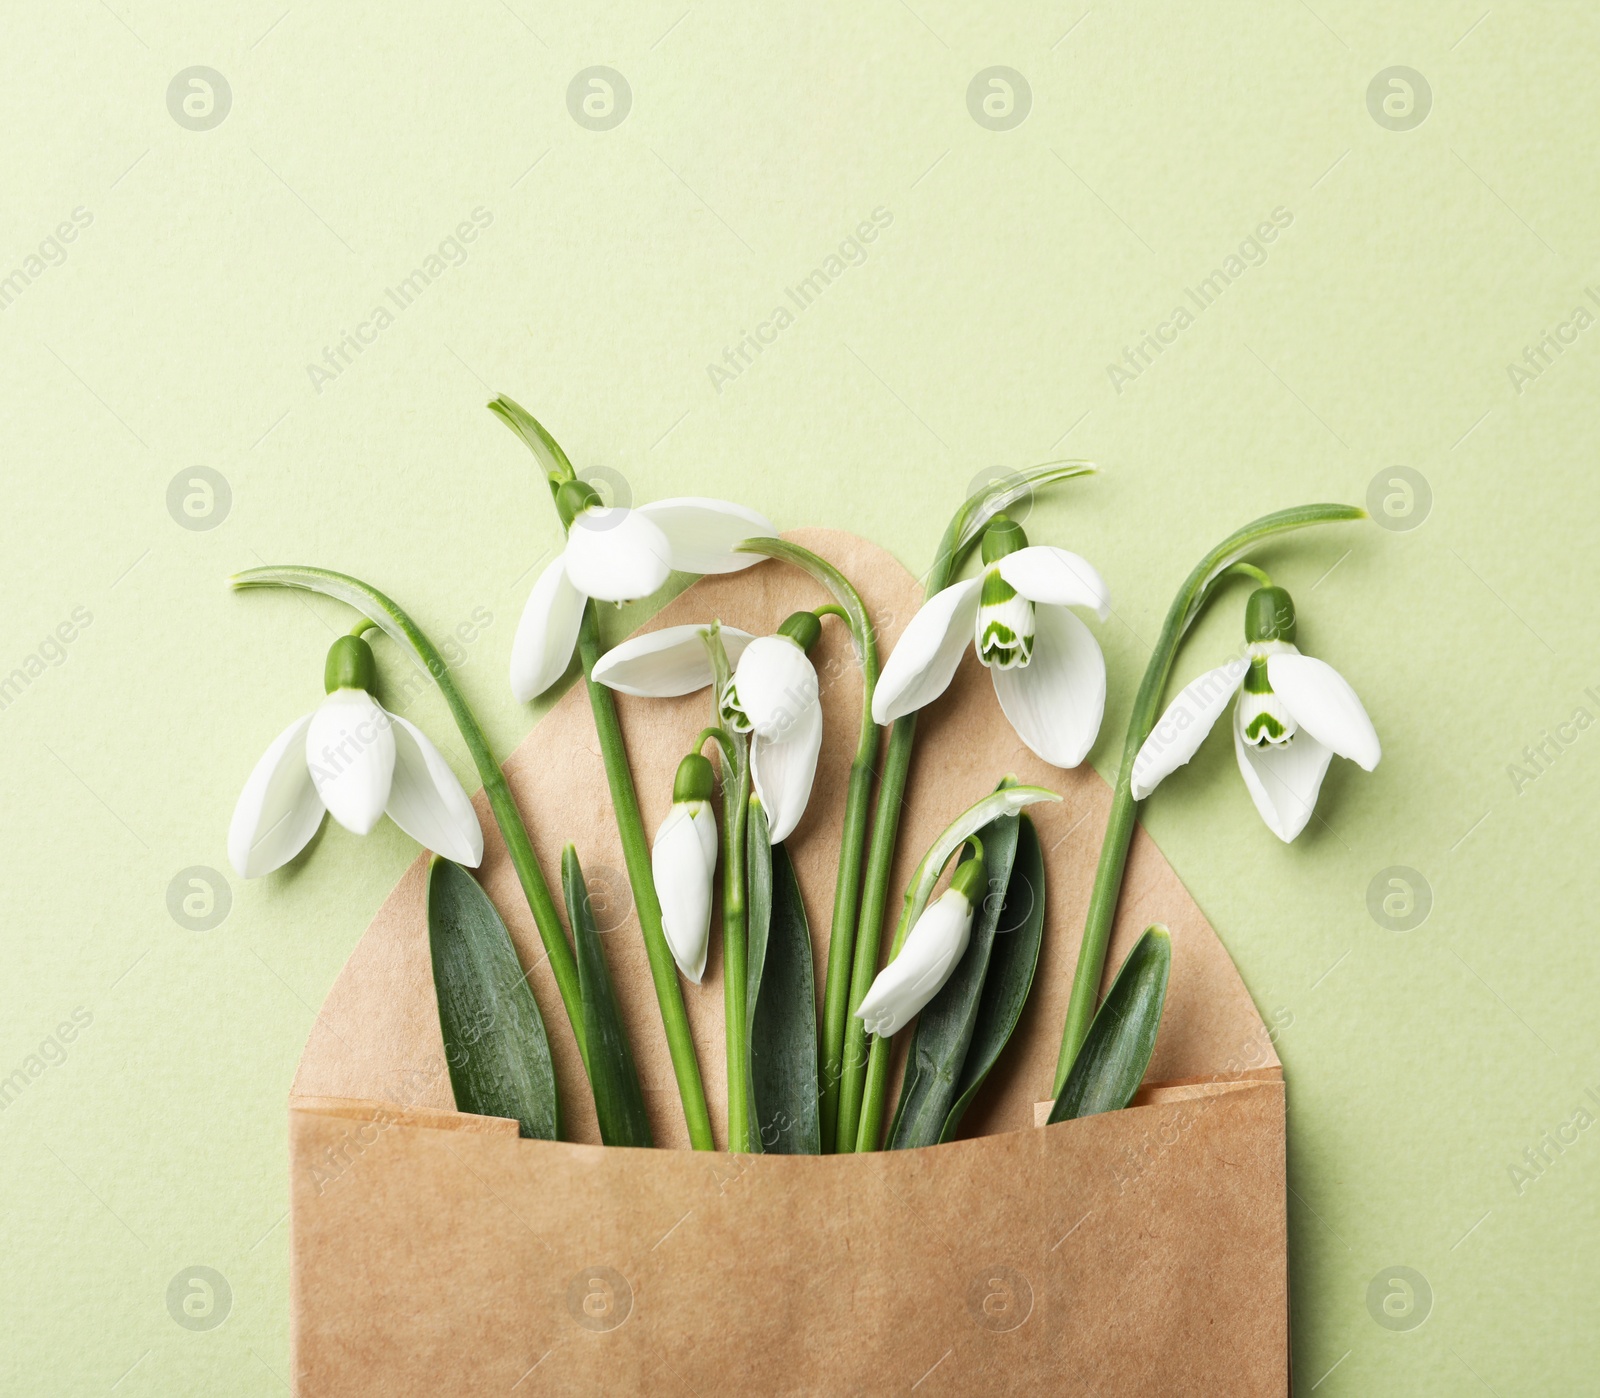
x: 1294, y: 713
x: 683, y: 861
x: 928, y: 957
x: 618, y: 554
x: 774, y: 696
x: 1047, y: 667
x: 352, y: 758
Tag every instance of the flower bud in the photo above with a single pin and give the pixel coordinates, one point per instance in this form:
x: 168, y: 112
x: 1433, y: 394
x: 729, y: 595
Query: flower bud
x: 929, y: 955
x: 682, y: 862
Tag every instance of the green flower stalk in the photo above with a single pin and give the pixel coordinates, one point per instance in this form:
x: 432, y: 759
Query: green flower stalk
x: 1197, y: 591
x: 965, y: 529
x: 615, y: 555
x: 853, y: 834
x: 736, y: 801
x: 346, y: 664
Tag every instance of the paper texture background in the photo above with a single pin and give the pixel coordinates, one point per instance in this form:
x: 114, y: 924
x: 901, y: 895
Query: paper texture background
x: 846, y: 1271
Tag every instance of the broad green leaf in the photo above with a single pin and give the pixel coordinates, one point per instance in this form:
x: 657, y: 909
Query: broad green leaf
x: 1011, y: 967
x: 1116, y: 1051
x: 944, y: 1028
x: 782, y: 1001
x: 494, y: 1039
x: 618, y: 1101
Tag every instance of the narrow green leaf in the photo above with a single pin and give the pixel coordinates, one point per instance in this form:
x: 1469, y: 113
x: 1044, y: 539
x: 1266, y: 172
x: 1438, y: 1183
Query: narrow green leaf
x: 1011, y: 967
x: 494, y: 1039
x: 1116, y: 1051
x: 944, y: 1028
x: 618, y: 1101
x: 782, y: 1002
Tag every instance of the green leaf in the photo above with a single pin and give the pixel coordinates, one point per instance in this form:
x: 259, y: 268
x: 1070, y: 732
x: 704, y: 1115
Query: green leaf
x: 782, y: 1002
x: 1011, y: 967
x: 618, y: 1101
x: 1116, y: 1051
x: 944, y: 1028
x: 494, y: 1039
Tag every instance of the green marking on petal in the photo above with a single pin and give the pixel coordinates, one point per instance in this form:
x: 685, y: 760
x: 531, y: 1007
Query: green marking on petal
x: 732, y: 712
x: 996, y: 590
x: 1264, y: 728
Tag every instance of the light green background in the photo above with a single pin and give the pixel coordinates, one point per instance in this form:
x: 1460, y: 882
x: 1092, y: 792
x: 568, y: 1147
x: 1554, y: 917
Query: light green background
x: 976, y: 334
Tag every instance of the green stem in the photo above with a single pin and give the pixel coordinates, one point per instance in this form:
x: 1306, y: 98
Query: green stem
x: 875, y: 1089
x: 847, y: 891
x: 636, y: 853
x: 736, y: 956
x: 874, y: 899
x: 736, y: 781
x: 394, y: 623
x: 1259, y: 576
x: 842, y: 941
x: 1196, y: 592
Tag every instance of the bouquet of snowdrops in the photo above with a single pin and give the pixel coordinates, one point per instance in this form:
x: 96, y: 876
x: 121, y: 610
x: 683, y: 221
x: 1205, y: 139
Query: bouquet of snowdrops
x: 799, y: 1081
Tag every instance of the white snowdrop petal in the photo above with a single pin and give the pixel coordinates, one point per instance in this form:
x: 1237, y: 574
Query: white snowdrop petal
x: 350, y: 750
x: 1183, y: 727
x: 546, y: 633
x: 1324, y: 704
x: 683, y: 884
x: 702, y: 533
x: 666, y: 663
x: 783, y: 770
x: 1283, y: 779
x: 930, y: 953
x: 1055, y: 702
x: 428, y: 802
x: 616, y: 554
x: 1056, y: 578
x: 776, y: 684
x: 924, y: 660
x: 279, y: 810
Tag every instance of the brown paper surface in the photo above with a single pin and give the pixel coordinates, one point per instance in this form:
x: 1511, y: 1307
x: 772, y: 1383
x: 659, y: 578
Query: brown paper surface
x: 1141, y: 1251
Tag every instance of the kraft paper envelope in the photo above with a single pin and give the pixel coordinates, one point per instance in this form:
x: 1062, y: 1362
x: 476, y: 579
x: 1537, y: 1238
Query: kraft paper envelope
x: 1141, y: 1251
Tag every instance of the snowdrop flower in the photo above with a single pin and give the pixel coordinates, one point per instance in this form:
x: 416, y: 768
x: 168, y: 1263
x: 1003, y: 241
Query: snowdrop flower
x: 774, y: 696
x: 1047, y: 668
x: 619, y: 554
x: 1294, y: 713
x: 353, y: 758
x: 683, y: 859
x: 932, y: 949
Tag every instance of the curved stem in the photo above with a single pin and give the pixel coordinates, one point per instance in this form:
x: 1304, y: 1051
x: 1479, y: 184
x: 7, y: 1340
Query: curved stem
x: 853, y: 833
x: 625, y: 801
x: 636, y: 854
x: 721, y: 739
x: 963, y: 531
x: 394, y: 623
x: 1198, y: 589
x: 1259, y: 576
